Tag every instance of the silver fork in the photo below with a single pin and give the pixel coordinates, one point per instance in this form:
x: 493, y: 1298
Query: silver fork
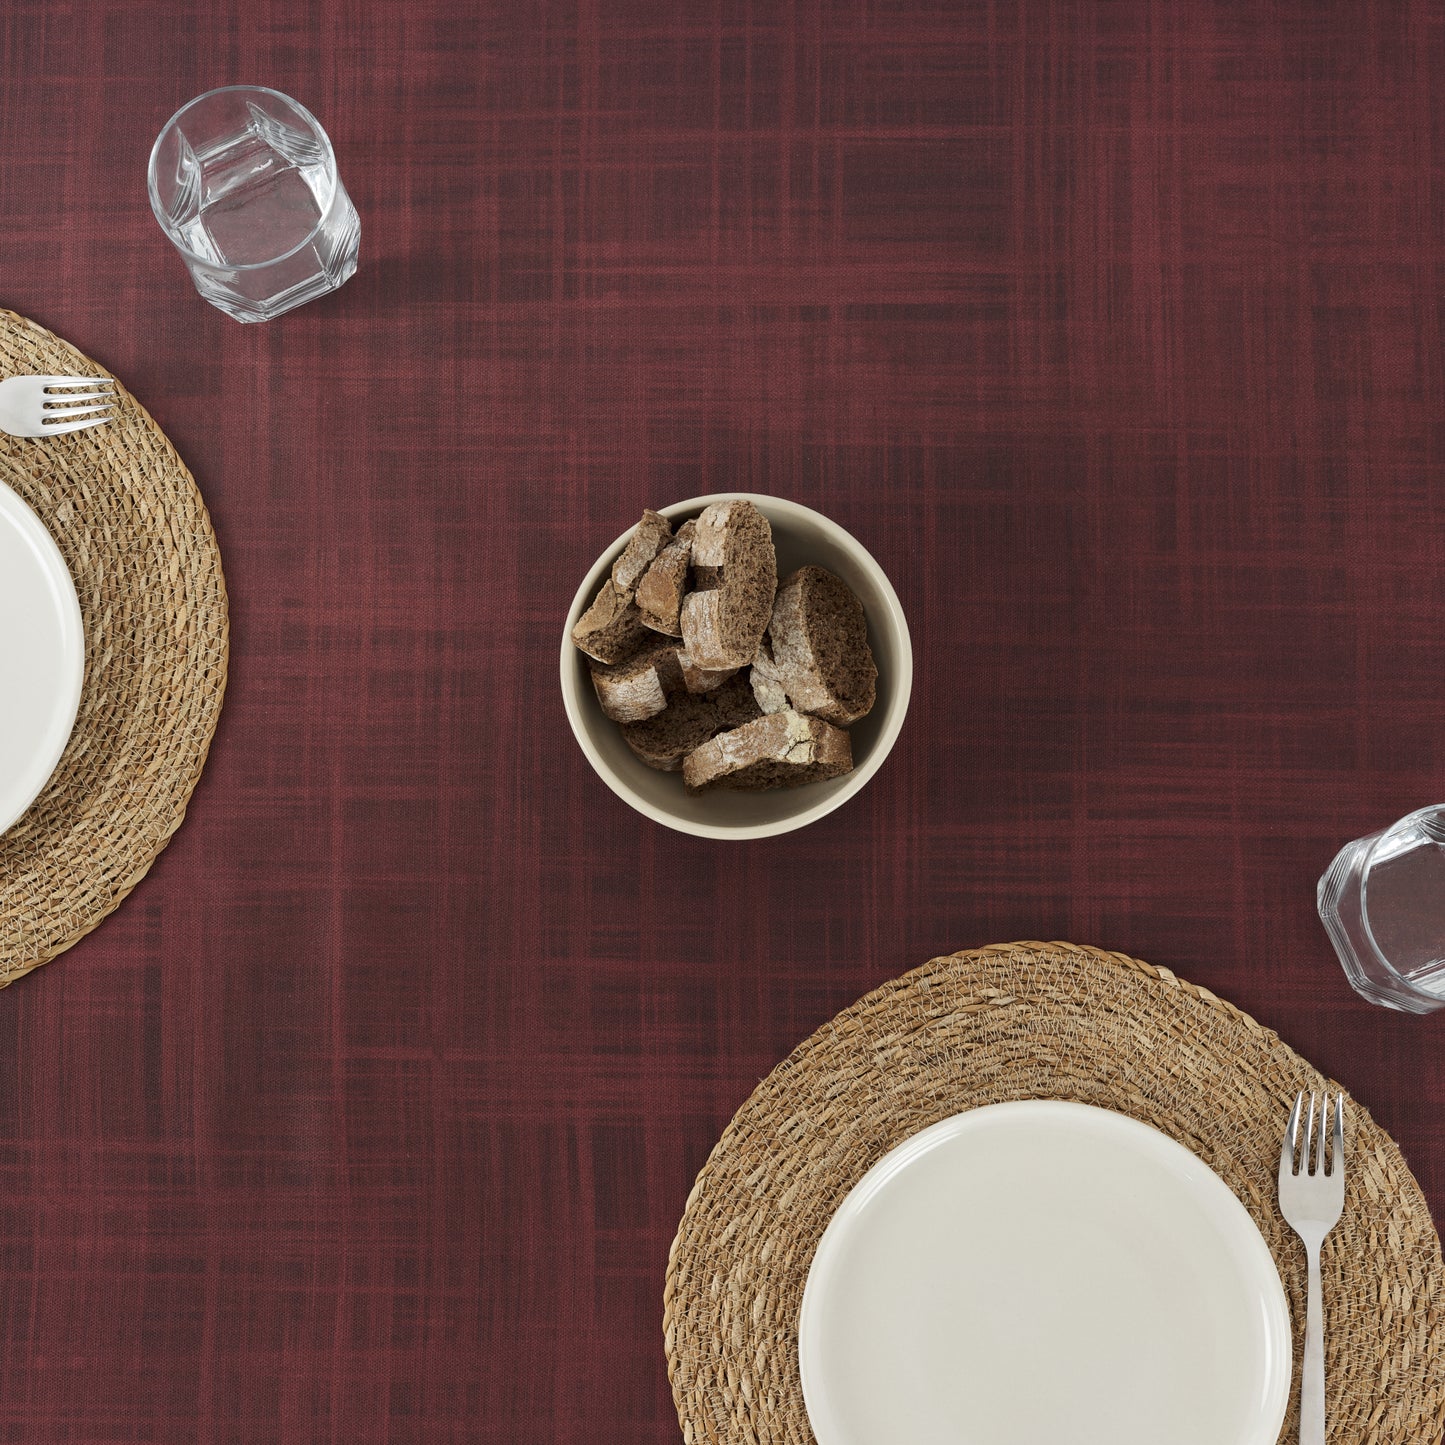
x: 42, y: 406
x: 1311, y: 1198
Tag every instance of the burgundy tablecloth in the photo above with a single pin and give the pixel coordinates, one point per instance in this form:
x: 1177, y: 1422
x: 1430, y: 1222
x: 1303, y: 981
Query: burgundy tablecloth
x: 1115, y: 332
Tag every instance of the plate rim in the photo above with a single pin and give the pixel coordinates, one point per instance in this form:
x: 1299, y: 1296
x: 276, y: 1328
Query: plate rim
x: 1278, y: 1325
x: 14, y: 508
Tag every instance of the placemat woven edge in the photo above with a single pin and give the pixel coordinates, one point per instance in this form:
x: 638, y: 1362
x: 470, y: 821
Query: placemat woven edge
x: 124, y: 889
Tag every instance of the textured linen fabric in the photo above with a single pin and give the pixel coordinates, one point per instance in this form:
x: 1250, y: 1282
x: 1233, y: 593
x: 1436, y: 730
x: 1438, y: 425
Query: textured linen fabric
x: 1114, y: 332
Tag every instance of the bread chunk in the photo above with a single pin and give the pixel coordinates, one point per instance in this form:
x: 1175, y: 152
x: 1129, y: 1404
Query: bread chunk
x: 663, y: 741
x: 611, y: 630
x: 648, y: 538
x: 639, y: 687
x: 701, y: 679
x: 817, y: 649
x: 767, y: 685
x: 663, y: 585
x: 722, y: 624
x: 780, y: 750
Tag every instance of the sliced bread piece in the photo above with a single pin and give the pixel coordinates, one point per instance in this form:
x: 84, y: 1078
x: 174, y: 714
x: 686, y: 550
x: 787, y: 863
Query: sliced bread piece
x: 663, y: 585
x: 722, y: 624
x: 781, y: 750
x: 611, y: 629
x: 689, y: 720
x: 817, y: 648
x: 767, y: 685
x: 639, y: 687
x: 701, y: 679
x: 649, y: 537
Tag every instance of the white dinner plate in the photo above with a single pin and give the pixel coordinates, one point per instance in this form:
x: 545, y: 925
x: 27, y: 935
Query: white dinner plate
x: 1043, y: 1273
x: 42, y: 656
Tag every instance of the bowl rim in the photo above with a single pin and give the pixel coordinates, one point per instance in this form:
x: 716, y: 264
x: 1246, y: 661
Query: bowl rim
x: 901, y: 688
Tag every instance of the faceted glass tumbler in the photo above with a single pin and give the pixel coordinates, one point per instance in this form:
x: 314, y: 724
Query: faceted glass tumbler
x: 1382, y: 902
x: 243, y: 181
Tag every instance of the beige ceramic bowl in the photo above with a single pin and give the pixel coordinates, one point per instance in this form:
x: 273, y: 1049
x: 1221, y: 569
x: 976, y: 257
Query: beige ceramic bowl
x: 802, y: 536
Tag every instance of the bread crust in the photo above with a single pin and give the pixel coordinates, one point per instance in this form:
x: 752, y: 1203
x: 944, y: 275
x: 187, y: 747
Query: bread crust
x: 648, y: 538
x: 767, y: 684
x: 701, y: 679
x: 733, y: 548
x: 664, y: 584
x: 702, y: 619
x: 782, y: 749
x: 841, y: 689
x: 611, y: 629
x: 640, y: 687
x: 663, y: 741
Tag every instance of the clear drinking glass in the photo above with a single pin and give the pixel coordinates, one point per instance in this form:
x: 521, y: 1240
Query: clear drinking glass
x: 244, y: 182
x: 1383, y: 902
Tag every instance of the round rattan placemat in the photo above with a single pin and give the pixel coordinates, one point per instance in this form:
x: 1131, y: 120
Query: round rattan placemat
x: 1025, y: 1021
x: 130, y: 522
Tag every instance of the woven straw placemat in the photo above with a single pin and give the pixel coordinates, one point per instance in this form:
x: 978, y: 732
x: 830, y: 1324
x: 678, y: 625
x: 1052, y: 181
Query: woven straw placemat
x: 1028, y: 1021
x: 134, y: 532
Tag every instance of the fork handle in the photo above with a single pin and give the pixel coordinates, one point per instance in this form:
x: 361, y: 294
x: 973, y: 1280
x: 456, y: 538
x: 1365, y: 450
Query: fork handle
x: 1312, y: 1381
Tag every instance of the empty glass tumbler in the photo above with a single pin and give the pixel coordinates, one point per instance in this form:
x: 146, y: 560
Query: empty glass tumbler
x: 1383, y: 902
x: 244, y: 182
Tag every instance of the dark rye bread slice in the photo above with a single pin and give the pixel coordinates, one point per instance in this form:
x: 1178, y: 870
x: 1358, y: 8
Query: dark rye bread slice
x: 779, y: 750
x: 663, y: 585
x: 817, y: 650
x: 663, y: 741
x: 611, y: 629
x: 767, y: 685
x: 639, y: 687
x: 701, y: 679
x: 735, y: 572
x: 649, y: 537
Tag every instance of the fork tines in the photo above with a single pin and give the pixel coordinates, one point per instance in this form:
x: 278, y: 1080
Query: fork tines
x: 1312, y: 1160
x: 68, y: 401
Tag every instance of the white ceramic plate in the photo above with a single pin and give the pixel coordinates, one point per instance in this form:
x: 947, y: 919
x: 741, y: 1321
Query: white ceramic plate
x: 1043, y: 1273
x: 42, y: 656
